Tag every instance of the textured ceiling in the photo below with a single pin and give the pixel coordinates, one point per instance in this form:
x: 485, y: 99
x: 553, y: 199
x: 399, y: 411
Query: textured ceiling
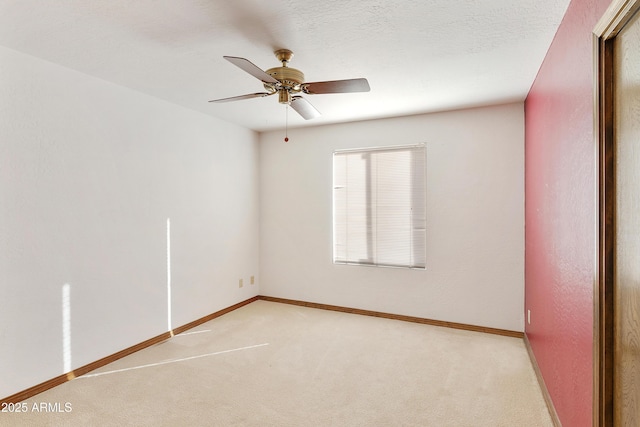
x: 418, y: 55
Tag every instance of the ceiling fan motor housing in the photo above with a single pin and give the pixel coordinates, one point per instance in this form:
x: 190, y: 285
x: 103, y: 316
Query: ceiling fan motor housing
x: 287, y: 75
x: 290, y: 80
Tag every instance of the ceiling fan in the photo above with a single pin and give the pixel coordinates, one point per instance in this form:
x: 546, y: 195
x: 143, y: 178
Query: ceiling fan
x: 288, y: 82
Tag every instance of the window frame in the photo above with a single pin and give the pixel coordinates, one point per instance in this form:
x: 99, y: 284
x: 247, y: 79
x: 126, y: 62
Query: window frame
x: 421, y: 199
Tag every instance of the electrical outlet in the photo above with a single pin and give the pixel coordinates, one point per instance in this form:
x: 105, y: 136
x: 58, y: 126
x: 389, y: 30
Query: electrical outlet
x: 240, y: 284
x: 529, y: 317
x: 253, y: 281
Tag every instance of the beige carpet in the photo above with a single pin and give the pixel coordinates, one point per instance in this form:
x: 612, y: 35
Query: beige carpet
x: 270, y: 364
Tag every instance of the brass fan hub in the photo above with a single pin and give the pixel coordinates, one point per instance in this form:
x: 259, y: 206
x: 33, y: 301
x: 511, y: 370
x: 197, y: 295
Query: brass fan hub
x: 287, y: 76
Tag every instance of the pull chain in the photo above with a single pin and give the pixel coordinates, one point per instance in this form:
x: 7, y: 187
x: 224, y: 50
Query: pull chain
x: 286, y: 124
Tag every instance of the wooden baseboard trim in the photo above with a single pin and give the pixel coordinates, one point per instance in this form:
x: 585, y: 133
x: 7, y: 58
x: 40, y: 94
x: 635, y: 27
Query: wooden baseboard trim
x: 412, y: 319
x: 212, y: 316
x: 543, y: 386
x: 32, y: 391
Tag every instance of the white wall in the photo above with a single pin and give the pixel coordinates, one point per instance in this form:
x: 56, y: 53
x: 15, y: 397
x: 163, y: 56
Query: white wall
x: 475, y: 218
x: 89, y: 174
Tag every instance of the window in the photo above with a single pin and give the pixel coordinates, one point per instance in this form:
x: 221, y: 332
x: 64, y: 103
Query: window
x: 379, y: 209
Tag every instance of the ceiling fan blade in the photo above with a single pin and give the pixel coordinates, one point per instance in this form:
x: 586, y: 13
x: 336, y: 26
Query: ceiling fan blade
x: 304, y: 108
x: 250, y: 68
x: 238, y: 98
x: 337, y: 86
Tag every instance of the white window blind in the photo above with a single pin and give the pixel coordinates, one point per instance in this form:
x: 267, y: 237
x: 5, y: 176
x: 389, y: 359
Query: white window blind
x: 379, y: 207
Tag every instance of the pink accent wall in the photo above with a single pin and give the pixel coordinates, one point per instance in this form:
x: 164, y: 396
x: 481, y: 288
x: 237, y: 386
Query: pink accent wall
x: 560, y: 216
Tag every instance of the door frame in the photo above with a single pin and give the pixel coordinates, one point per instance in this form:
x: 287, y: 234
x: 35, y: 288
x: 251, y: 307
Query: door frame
x: 615, y: 18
